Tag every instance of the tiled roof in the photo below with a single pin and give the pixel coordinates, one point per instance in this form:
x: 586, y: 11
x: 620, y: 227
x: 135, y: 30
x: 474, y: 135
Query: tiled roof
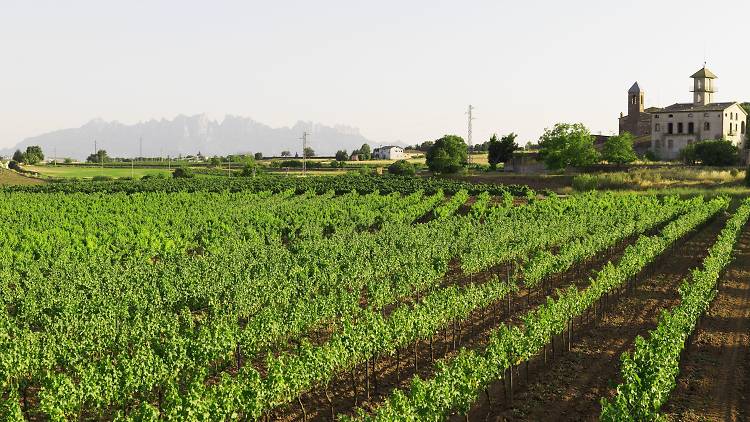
x: 704, y: 73
x: 681, y: 107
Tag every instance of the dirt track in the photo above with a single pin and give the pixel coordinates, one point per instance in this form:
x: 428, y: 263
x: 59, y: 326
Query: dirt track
x: 569, y: 388
x: 713, y: 381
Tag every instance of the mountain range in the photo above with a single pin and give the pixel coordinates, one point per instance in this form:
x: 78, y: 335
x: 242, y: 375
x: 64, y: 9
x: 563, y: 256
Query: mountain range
x: 188, y: 135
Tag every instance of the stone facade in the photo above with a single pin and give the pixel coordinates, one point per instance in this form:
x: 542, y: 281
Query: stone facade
x: 666, y: 131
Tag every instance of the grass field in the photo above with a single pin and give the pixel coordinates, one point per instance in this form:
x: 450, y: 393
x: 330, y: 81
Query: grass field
x: 89, y: 172
x: 8, y: 177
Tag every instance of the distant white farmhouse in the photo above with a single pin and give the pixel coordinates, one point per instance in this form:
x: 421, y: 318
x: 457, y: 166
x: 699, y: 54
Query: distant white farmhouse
x: 388, y: 152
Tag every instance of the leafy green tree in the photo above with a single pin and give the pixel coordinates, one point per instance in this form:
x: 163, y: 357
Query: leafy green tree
x: 567, y: 145
x: 286, y: 154
x: 341, y: 155
x: 100, y: 157
x: 619, y: 149
x: 500, y: 151
x: 448, y: 155
x: 215, y: 161
x: 402, y: 168
x: 426, y: 145
x: 258, y: 156
x: 33, y: 154
x: 365, y: 153
x: 309, y: 152
x: 19, y: 156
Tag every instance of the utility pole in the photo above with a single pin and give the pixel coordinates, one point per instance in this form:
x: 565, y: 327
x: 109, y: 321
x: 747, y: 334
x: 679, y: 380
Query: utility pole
x: 304, y: 154
x: 468, y: 138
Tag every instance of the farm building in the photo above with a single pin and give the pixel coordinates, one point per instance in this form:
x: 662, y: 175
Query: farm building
x: 389, y: 152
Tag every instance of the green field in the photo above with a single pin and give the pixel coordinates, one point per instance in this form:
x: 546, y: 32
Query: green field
x: 89, y: 172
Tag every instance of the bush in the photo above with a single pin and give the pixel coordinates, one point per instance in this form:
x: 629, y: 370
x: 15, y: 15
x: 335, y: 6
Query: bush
x: 402, y: 168
x: 710, y: 153
x: 182, y: 173
x: 651, y: 156
x: 585, y: 182
x: 154, y: 176
x: 102, y: 178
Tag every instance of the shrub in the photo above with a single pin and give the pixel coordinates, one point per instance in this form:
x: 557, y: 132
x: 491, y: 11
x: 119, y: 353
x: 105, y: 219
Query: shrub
x: 567, y: 145
x: 585, y: 182
x: 402, y: 168
x: 650, y: 156
x: 710, y: 153
x: 182, y: 173
x: 619, y: 149
x: 102, y: 178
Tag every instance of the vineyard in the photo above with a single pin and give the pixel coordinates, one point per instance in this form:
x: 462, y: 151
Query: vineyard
x: 350, y: 298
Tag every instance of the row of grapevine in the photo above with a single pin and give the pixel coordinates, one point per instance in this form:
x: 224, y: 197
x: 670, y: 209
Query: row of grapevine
x: 269, y: 183
x: 116, y: 301
x: 458, y: 382
x: 370, y: 334
x: 649, y: 373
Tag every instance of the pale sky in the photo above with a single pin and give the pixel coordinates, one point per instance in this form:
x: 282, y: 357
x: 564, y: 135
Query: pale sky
x: 398, y: 70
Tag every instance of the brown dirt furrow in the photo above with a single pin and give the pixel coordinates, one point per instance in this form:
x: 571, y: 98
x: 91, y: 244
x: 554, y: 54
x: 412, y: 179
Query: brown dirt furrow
x: 568, y: 387
x: 714, y: 378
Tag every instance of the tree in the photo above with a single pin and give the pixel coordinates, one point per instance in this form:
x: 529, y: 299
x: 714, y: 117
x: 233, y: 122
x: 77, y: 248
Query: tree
x: 448, y: 155
x: 341, y: 155
x: 425, y: 146
x: 33, y: 154
x: 249, y: 169
x: 258, y: 156
x: 567, y: 145
x: 19, y: 156
x: 99, y: 157
x: 500, y: 151
x: 182, y: 173
x: 286, y: 154
x: 215, y: 161
x: 710, y: 153
x: 619, y: 149
x: 365, y: 153
x: 309, y: 152
x: 402, y: 168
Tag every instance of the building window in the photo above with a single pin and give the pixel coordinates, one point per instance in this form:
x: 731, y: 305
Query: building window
x: 671, y: 115
x: 707, y: 126
x: 657, y: 128
x: 670, y: 143
x: 680, y: 127
x: 691, y: 128
x: 656, y: 116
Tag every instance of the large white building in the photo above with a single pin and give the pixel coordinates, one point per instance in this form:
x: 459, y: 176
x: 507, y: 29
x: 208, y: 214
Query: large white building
x: 679, y: 125
x: 388, y: 152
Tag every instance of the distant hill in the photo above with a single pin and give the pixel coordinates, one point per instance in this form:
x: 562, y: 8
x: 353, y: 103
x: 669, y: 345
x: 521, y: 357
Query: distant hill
x: 188, y: 135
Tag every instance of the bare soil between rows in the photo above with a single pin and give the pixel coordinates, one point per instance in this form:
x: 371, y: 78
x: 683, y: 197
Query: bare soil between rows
x: 714, y: 379
x: 569, y: 387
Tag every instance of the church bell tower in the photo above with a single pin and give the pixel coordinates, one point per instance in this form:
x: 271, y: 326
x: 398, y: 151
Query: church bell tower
x: 635, y: 100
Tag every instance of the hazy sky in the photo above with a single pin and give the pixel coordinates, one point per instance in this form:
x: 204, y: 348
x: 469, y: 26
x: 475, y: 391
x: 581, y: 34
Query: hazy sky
x: 397, y: 70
